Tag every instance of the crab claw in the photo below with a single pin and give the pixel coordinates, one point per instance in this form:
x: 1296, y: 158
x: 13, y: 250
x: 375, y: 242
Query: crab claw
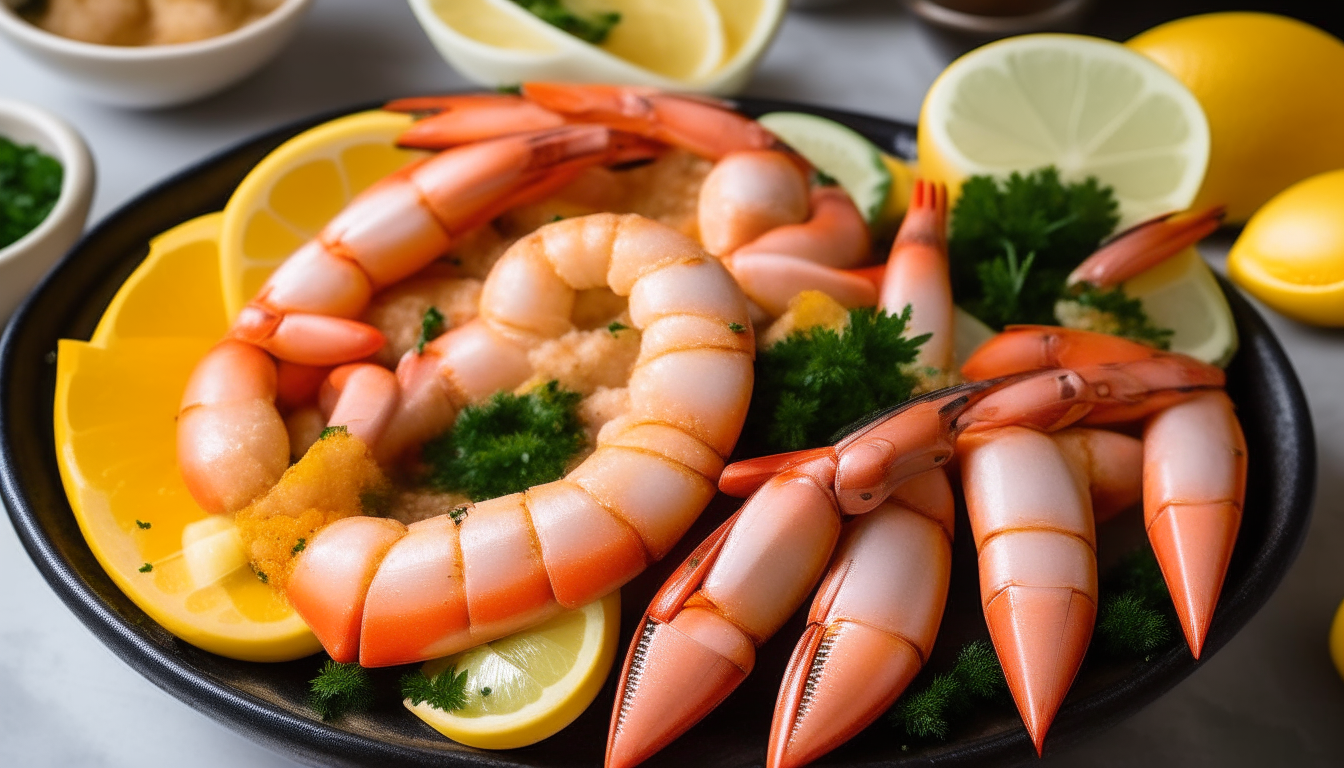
x: 1146, y: 245
x: 1194, y: 483
x: 872, y: 625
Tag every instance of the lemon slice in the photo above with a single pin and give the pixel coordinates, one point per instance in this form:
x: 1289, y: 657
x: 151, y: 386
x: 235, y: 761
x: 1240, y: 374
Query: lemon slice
x: 1182, y: 294
x: 679, y: 39
x: 529, y: 685
x: 840, y: 152
x: 968, y: 333
x: 115, y: 420
x: 298, y: 188
x: 1088, y: 106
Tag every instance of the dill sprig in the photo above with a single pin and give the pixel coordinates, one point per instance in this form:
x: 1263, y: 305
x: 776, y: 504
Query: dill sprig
x: 816, y: 381
x: 446, y: 691
x: 339, y: 688
x: 507, y: 444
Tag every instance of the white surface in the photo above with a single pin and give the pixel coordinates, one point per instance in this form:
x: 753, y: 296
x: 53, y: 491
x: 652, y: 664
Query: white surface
x: 1269, y: 698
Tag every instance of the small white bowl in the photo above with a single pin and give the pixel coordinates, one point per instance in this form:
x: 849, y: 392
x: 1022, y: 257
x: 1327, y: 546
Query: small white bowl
x: 559, y: 56
x: 151, y: 76
x: 25, y: 260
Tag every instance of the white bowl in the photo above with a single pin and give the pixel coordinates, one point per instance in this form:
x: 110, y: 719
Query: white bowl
x: 570, y: 59
x: 25, y: 260
x: 156, y: 75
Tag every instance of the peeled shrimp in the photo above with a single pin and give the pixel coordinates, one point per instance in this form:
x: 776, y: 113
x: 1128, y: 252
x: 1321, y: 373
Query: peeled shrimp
x: 384, y: 594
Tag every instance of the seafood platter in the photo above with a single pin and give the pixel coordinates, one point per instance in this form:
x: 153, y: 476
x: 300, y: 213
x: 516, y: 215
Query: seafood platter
x: 849, y: 521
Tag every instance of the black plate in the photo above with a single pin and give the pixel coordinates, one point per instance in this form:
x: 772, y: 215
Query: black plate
x: 266, y: 702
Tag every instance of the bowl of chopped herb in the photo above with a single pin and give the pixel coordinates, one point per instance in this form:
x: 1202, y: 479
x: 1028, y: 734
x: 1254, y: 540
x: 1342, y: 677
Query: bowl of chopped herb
x: 46, y: 185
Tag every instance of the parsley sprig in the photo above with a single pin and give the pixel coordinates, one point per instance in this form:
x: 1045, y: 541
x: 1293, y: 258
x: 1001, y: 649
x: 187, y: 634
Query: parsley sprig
x: 507, y: 444
x: 816, y: 381
x: 593, y: 28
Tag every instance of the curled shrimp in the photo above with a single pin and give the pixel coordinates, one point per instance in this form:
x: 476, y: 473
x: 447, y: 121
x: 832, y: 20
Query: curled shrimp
x: 228, y: 444
x: 382, y: 593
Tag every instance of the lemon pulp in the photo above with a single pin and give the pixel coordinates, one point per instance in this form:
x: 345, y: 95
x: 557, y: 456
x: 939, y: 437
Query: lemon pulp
x: 1088, y: 106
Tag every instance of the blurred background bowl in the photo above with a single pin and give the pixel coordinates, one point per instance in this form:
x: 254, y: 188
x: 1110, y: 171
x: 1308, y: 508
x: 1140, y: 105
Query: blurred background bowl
x: 989, y: 19
x: 151, y: 76
x: 498, y: 43
x: 24, y: 261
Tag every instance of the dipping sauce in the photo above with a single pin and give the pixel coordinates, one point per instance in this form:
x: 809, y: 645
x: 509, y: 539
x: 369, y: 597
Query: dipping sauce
x: 144, y: 22
x: 30, y: 182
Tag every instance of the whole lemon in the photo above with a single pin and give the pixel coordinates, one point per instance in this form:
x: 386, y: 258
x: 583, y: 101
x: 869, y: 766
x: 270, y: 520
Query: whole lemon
x: 1291, y: 253
x: 1273, y: 90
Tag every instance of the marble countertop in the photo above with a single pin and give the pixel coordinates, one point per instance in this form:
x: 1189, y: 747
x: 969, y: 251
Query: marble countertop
x: 1269, y: 698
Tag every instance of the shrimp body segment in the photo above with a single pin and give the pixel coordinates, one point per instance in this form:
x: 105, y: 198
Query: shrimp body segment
x: 495, y: 567
x: 918, y: 276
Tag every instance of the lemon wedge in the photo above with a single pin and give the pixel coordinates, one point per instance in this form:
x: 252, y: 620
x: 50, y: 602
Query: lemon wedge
x: 529, y: 685
x: 1182, y: 294
x: 287, y: 198
x: 1088, y: 106
x: 1290, y: 255
x: 115, y: 420
x: 709, y: 46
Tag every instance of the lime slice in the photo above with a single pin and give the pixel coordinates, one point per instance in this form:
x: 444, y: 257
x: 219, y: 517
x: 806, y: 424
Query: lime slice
x: 529, y: 685
x: 1182, y: 294
x: 838, y: 152
x: 1089, y: 107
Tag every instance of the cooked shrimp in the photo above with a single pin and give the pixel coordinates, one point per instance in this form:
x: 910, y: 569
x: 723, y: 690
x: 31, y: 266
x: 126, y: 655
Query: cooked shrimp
x: 917, y: 275
x: 385, y: 594
x: 302, y: 313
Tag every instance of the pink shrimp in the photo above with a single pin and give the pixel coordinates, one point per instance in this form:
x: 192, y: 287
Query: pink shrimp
x: 228, y: 443
x: 379, y: 592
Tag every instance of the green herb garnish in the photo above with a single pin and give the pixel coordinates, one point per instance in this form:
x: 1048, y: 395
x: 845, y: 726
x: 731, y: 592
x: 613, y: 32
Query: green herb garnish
x: 339, y: 429
x: 816, y: 381
x: 30, y: 184
x: 1111, y: 311
x: 509, y: 90
x: 261, y: 576
x: 823, y: 179
x: 431, y: 327
x: 339, y: 688
x: 485, y: 691
x: 458, y: 514
x: 447, y: 691
x: 590, y: 29
x: 975, y: 677
x: 143, y: 526
x: 508, y: 444
x: 1013, y: 242
x: 737, y: 328
x: 147, y: 567
x: 614, y: 327
x: 299, y: 546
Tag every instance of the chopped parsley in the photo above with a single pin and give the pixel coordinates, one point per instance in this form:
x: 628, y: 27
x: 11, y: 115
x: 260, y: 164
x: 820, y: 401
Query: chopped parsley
x: 458, y: 514
x: 510, y: 90
x: 339, y: 688
x: 339, y: 429
x: 261, y: 576
x: 737, y: 328
x: 615, y: 327
x: 299, y: 546
x: 147, y: 567
x: 823, y: 179
x: 816, y: 381
x: 143, y: 525
x: 507, y: 444
x: 30, y: 184
x: 485, y: 691
x: 1013, y: 242
x: 447, y: 691
x: 593, y: 28
x: 431, y: 327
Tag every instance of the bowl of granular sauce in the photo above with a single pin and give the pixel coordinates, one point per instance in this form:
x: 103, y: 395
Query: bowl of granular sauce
x: 46, y: 184
x: 151, y: 53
